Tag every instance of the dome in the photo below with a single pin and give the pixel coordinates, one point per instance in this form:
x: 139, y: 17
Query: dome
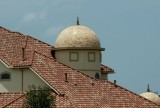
x: 77, y: 36
x: 152, y: 97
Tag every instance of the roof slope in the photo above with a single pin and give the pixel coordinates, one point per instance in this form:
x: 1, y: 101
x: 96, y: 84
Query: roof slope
x: 16, y: 100
x: 79, y: 90
x: 6, y: 99
x: 84, y: 91
x: 17, y: 49
x: 106, y: 69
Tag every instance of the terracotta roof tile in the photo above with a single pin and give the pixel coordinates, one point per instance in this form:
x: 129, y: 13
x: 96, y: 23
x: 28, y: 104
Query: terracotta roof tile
x: 12, y: 45
x: 8, y: 98
x: 106, y: 69
x: 84, y: 91
x: 79, y: 90
x: 16, y: 100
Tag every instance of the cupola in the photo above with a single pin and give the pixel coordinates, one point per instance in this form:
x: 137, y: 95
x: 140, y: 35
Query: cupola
x: 79, y: 47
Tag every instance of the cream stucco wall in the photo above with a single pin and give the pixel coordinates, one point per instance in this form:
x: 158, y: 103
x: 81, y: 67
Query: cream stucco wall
x: 104, y: 76
x: 29, y: 78
x: 83, y: 64
x: 20, y: 79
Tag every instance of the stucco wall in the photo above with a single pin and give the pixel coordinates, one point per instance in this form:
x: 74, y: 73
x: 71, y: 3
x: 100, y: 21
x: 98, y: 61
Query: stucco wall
x: 88, y: 67
x: 29, y: 78
x: 104, y: 76
x: 20, y: 79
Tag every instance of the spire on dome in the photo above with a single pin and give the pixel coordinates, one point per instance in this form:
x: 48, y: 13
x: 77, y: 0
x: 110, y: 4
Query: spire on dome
x: 78, y: 21
x: 148, y: 88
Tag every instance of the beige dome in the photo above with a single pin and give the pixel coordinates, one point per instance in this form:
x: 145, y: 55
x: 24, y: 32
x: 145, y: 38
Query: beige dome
x: 152, y: 97
x: 77, y: 36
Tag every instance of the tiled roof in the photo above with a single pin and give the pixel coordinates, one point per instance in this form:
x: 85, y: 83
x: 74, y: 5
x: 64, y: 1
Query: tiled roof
x: 106, y: 69
x: 7, y: 99
x: 17, y: 100
x: 79, y: 90
x: 84, y: 91
x: 11, y: 51
x: 12, y: 45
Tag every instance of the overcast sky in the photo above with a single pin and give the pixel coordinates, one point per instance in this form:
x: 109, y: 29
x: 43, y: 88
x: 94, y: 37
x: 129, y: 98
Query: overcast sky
x: 129, y: 30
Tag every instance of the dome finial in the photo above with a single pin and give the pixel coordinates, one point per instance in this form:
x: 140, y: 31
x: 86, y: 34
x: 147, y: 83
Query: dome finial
x: 78, y: 21
x: 148, y: 88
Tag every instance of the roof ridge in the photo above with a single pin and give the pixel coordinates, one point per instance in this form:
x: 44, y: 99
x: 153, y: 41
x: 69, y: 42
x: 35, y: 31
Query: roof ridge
x: 43, y: 55
x: 35, y: 52
x: 39, y: 40
x: 24, y: 35
x: 26, y: 42
x: 12, y: 92
x: 14, y: 100
x: 11, y: 31
x: 128, y: 90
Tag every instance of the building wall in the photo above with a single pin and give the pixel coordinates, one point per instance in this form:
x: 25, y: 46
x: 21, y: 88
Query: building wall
x: 29, y: 78
x: 88, y: 61
x: 13, y: 84
x: 20, y: 79
x: 104, y: 76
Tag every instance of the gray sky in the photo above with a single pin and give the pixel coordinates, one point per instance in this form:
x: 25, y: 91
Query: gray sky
x: 128, y: 29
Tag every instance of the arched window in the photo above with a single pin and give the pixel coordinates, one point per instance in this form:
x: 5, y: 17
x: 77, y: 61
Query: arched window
x: 97, y: 76
x: 5, y: 76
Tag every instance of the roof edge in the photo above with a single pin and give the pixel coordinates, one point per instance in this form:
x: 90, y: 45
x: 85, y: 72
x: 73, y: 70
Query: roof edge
x: 5, y: 64
x: 56, y: 91
x: 111, y: 71
x: 14, y: 100
x: 78, y: 48
x: 130, y: 91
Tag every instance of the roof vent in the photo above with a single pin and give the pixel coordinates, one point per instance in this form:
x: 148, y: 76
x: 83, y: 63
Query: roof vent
x: 66, y: 77
x: 92, y: 84
x: 23, y: 54
x: 115, y: 82
x: 62, y: 95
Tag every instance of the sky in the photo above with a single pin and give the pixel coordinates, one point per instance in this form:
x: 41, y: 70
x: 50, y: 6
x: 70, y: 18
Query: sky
x: 129, y: 30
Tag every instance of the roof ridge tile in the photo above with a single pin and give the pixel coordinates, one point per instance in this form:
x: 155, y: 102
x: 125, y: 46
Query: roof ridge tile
x: 14, y: 100
x: 129, y: 91
x: 39, y: 40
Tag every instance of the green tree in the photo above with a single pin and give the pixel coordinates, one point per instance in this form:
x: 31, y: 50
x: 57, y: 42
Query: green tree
x: 39, y: 97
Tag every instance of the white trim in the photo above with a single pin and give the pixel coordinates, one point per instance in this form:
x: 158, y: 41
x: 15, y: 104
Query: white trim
x: 5, y: 63
x: 45, y: 81
x: 78, y: 48
x: 13, y: 66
